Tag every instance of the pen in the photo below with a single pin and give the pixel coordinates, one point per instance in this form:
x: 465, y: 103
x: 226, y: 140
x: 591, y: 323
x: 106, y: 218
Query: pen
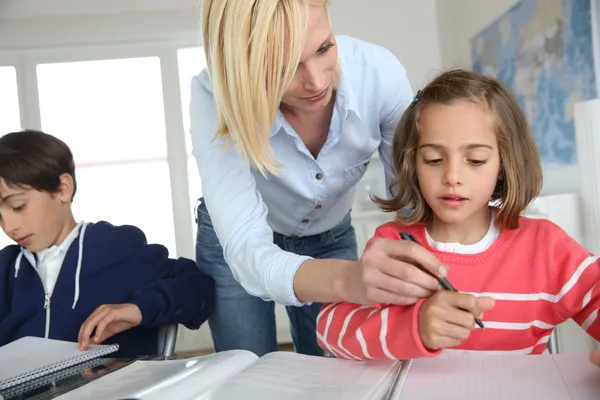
x: 443, y: 281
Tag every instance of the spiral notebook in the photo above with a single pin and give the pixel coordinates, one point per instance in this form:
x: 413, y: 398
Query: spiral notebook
x: 51, y: 379
x: 30, y: 358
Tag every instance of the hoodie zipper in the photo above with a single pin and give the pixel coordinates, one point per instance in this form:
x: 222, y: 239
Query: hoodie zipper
x: 47, y: 299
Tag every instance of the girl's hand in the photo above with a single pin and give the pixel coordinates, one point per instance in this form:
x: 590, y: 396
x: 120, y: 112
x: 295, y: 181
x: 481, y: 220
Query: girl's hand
x: 447, y: 318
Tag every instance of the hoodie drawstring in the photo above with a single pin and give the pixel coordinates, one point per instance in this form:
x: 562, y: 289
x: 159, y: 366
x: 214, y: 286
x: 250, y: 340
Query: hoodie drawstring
x: 79, y: 260
x: 18, y: 264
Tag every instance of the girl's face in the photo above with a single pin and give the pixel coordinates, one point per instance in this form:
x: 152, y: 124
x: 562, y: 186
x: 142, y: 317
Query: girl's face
x: 457, y: 161
x: 312, y: 86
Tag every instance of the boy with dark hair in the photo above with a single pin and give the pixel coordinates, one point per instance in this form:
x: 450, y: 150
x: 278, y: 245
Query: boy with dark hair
x: 67, y: 280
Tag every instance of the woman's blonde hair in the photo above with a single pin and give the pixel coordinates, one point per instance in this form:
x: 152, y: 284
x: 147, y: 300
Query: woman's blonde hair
x: 253, y: 48
x: 520, y: 179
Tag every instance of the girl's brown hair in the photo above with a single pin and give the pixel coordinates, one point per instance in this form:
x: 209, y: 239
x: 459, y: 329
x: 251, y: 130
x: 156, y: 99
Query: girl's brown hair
x: 520, y: 179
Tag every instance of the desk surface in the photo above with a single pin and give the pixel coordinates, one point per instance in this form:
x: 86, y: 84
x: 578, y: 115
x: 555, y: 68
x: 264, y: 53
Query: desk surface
x: 52, y: 388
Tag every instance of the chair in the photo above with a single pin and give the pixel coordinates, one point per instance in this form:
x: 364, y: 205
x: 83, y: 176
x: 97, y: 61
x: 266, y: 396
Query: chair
x: 167, y: 336
x: 553, y: 342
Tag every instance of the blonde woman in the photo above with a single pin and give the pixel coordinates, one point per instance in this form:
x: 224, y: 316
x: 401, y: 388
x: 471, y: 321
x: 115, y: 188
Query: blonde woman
x: 284, y: 122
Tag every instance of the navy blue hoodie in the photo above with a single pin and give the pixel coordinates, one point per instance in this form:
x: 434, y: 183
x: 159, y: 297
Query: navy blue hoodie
x: 105, y: 264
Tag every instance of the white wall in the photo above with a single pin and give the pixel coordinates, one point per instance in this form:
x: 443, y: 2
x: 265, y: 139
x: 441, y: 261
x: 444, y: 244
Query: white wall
x: 407, y: 28
x: 50, y: 23
x: 461, y: 20
x: 42, y: 8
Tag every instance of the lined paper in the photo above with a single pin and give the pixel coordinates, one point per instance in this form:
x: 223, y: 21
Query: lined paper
x: 581, y: 377
x: 490, y: 377
x: 292, y: 376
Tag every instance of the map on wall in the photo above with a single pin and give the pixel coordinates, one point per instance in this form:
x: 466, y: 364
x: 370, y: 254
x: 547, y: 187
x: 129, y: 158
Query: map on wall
x: 543, y: 51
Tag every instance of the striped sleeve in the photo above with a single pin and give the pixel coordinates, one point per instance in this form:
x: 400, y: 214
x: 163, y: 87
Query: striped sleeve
x: 579, y: 297
x: 356, y: 332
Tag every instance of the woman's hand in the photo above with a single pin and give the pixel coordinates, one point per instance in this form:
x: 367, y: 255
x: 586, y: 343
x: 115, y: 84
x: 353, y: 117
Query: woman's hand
x: 108, y: 320
x: 393, y: 272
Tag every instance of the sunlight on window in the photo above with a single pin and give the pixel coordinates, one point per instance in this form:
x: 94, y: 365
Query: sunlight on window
x: 106, y: 110
x: 9, y: 101
x: 9, y: 115
x: 111, y: 114
x: 191, y: 62
x: 128, y: 194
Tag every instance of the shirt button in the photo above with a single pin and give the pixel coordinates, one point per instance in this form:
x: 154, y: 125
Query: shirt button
x: 319, y: 176
x: 305, y: 221
x: 318, y: 207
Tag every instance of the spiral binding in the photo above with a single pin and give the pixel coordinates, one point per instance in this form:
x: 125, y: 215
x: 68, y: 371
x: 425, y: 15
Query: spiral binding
x: 398, y: 384
x: 49, y: 369
x: 54, y: 377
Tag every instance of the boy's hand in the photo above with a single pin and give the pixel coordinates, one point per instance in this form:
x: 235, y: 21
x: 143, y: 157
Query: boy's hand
x: 446, y: 318
x: 108, y: 320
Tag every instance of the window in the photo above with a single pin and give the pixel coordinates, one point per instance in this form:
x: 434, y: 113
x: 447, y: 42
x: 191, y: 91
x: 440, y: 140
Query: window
x: 111, y: 114
x: 9, y: 101
x: 191, y: 62
x: 10, y: 120
x: 107, y: 110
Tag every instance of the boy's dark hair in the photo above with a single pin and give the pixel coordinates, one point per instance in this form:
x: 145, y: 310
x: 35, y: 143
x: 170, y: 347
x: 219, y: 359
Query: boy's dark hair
x: 520, y: 179
x: 36, y: 160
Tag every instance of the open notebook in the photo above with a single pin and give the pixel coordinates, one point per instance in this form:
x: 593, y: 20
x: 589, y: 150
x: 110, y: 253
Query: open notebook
x: 30, y: 358
x: 239, y: 374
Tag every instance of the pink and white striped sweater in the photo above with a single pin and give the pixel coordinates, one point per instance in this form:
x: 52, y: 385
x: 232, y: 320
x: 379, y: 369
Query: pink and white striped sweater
x: 538, y: 275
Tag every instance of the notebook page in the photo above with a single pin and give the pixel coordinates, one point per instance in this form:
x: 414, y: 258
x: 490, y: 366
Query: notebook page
x: 484, y: 376
x: 170, y: 379
x: 294, y: 376
x: 29, y: 353
x: 581, y: 377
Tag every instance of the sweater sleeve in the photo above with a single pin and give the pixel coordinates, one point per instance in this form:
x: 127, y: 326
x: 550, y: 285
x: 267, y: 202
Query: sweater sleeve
x: 579, y: 297
x: 180, y: 294
x: 6, y: 270
x: 381, y: 331
x: 167, y: 291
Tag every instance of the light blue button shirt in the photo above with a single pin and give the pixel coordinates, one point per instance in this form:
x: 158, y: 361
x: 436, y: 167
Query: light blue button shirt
x: 309, y: 195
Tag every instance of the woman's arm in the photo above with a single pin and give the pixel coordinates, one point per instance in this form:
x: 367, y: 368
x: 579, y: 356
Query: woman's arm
x: 237, y: 211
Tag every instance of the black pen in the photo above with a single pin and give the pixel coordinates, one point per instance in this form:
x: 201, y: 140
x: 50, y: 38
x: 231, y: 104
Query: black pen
x: 443, y: 281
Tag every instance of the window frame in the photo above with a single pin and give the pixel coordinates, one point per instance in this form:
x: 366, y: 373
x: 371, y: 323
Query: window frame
x: 25, y: 62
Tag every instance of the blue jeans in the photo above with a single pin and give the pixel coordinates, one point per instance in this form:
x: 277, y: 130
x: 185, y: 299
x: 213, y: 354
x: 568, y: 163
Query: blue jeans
x: 242, y: 321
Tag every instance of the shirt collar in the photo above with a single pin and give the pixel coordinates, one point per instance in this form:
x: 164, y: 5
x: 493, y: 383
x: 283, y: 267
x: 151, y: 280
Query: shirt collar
x: 61, y: 248
x: 64, y: 246
x: 488, y: 239
x: 347, y: 98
